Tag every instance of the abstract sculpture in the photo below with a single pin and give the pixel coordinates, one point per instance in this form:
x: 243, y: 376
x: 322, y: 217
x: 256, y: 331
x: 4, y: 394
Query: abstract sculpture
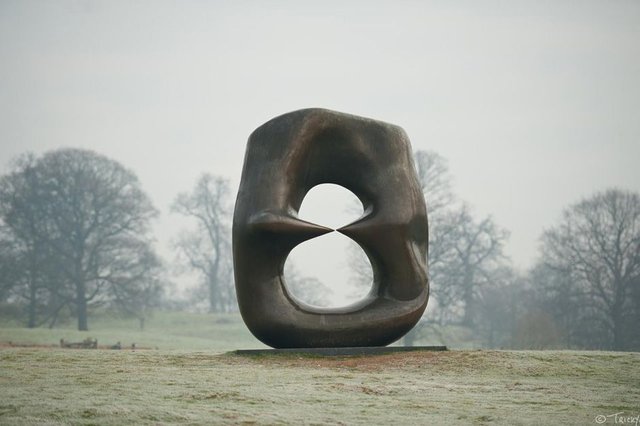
x: 285, y: 158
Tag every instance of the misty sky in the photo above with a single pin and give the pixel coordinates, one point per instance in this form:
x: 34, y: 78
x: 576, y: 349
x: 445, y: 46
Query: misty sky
x: 535, y: 104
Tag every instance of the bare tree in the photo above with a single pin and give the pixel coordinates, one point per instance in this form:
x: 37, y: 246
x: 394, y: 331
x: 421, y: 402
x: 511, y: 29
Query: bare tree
x: 500, y: 304
x: 308, y: 289
x: 21, y: 235
x: 435, y: 180
x: 11, y: 271
x: 82, y: 221
x: 553, y: 295
x: 474, y: 261
x: 596, y: 250
x: 142, y: 290
x: 207, y: 249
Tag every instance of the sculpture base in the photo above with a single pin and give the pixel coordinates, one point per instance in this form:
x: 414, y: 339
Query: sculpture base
x: 356, y: 351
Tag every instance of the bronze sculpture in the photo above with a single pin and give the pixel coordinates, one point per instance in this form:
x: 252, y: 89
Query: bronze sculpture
x: 285, y: 158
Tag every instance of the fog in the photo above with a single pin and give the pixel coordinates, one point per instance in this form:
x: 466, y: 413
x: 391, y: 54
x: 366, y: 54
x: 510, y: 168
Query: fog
x: 534, y: 104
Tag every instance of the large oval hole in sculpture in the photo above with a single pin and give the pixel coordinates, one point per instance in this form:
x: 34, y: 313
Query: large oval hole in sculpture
x: 332, y: 270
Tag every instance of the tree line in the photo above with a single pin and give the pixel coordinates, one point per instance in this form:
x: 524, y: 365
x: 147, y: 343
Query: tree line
x: 582, y: 292
x: 75, y: 235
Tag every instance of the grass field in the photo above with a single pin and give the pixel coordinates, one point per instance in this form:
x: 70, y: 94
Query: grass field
x: 182, y: 330
x: 204, y: 385
x: 56, y: 386
x: 164, y: 330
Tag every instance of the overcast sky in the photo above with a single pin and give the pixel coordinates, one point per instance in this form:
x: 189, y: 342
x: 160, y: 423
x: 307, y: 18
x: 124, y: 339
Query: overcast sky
x: 535, y: 104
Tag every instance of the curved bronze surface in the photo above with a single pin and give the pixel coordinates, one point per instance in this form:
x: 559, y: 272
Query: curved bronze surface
x: 285, y: 158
